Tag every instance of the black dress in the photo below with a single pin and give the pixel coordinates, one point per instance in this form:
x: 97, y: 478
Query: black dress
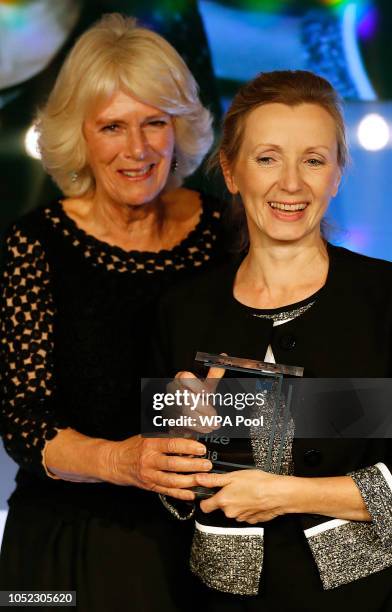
x: 76, y: 315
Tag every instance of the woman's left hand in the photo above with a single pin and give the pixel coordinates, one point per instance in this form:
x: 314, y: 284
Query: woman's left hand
x: 255, y: 496
x: 250, y: 496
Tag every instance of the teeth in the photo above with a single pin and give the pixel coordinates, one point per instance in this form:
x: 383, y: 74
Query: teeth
x: 289, y: 207
x: 134, y: 173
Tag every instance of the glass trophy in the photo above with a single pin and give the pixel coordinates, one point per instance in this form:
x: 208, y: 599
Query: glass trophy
x: 256, y: 434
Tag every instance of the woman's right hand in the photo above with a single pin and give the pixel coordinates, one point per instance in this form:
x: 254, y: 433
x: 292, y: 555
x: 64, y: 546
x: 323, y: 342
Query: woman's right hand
x: 153, y: 464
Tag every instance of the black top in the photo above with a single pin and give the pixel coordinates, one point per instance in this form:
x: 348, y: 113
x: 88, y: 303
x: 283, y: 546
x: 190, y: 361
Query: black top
x: 76, y: 315
x: 347, y: 332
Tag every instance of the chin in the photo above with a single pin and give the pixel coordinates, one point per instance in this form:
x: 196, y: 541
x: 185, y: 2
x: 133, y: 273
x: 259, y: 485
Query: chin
x: 133, y: 199
x: 286, y: 236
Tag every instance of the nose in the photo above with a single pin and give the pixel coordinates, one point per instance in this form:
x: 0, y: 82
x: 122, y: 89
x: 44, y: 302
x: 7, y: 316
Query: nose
x: 136, y: 144
x: 290, y: 177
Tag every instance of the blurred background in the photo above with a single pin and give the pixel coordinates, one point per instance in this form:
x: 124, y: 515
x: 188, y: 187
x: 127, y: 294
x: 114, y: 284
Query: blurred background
x: 224, y: 42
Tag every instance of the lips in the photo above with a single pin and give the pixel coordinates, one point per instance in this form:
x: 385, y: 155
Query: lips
x: 288, y: 206
x: 137, y: 173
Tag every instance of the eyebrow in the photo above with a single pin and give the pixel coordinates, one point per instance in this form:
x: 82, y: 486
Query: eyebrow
x: 270, y: 145
x: 103, y: 120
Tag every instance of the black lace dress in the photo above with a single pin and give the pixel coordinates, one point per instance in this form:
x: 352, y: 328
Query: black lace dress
x: 76, y: 315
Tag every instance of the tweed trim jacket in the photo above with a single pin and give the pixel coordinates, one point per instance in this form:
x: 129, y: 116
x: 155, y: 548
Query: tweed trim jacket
x: 346, y: 333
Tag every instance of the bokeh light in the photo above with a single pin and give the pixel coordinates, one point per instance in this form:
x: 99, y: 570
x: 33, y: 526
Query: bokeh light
x: 373, y: 132
x: 368, y: 24
x: 31, y: 142
x: 333, y: 2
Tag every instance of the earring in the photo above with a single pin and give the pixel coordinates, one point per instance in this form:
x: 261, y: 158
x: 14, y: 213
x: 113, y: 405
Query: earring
x: 74, y: 176
x: 174, y: 165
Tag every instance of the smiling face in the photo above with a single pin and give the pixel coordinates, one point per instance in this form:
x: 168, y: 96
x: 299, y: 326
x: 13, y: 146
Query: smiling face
x: 129, y: 150
x: 286, y: 170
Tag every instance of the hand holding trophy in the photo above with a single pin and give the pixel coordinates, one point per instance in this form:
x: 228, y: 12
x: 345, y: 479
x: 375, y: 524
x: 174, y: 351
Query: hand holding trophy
x: 193, y: 391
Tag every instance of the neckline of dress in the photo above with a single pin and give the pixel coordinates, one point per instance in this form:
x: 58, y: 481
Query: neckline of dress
x: 288, y: 308
x: 85, y: 237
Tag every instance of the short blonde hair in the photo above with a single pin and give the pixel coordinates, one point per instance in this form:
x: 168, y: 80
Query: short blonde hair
x: 116, y: 54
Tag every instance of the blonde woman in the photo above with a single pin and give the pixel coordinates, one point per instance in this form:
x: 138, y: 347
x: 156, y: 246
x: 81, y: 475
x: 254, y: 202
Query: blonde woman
x: 121, y: 129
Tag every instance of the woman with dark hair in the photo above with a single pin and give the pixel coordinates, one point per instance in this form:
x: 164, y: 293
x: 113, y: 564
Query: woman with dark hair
x: 120, y: 131
x: 317, y: 535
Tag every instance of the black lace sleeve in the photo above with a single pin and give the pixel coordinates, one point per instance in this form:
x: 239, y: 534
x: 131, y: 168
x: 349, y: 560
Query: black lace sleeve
x: 27, y: 415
